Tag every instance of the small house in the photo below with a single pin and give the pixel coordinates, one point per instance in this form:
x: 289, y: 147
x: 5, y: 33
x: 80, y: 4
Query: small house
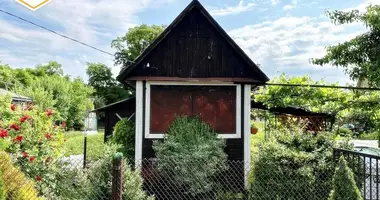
x: 194, y: 68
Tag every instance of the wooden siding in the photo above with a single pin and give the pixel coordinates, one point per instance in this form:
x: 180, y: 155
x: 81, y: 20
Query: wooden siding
x: 194, y: 49
x: 124, y: 110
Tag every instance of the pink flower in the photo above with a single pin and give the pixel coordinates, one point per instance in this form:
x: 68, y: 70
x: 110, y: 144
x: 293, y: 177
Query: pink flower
x: 3, y: 133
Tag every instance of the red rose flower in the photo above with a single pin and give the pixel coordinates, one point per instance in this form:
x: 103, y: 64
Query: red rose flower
x: 38, y: 178
x: 49, y: 112
x: 3, y: 133
x: 18, y: 138
x: 48, y: 136
x: 15, y: 127
x: 25, y: 154
x: 32, y: 158
x: 13, y: 107
x: 24, y: 118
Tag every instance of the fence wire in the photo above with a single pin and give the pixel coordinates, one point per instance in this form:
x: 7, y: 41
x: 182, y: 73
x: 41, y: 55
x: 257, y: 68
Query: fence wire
x: 172, y: 180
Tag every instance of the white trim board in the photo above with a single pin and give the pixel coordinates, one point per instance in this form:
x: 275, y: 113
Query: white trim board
x: 148, y: 135
x: 139, y: 124
x: 247, y: 133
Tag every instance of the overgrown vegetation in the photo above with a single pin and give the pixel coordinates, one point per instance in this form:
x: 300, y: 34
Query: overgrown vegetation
x: 193, y: 154
x: 124, y: 134
x: 344, y: 185
x: 17, y: 186
x: 293, y: 164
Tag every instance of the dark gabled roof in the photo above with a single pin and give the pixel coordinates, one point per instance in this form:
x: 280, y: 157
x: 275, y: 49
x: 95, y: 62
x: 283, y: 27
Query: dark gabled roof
x: 109, y: 106
x: 15, y: 97
x: 194, y: 4
x: 290, y: 110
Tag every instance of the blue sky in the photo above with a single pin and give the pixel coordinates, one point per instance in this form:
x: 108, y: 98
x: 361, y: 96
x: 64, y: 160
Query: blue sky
x: 280, y: 35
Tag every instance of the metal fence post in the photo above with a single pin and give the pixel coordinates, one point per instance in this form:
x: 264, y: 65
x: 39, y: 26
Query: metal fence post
x: 84, y: 152
x: 117, y: 177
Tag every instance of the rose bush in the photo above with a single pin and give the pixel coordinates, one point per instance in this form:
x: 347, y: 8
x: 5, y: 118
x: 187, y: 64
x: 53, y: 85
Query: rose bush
x: 29, y: 135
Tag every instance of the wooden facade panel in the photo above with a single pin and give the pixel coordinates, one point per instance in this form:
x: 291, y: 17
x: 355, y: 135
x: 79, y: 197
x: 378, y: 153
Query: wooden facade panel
x: 166, y: 104
x: 217, y: 107
x: 194, y: 49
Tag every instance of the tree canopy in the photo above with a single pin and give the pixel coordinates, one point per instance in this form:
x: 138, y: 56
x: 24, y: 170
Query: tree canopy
x: 134, y: 42
x: 359, y: 57
x: 51, y: 89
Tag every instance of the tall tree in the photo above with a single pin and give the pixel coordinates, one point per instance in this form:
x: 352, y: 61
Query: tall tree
x: 134, y: 42
x: 107, y: 89
x: 359, y: 57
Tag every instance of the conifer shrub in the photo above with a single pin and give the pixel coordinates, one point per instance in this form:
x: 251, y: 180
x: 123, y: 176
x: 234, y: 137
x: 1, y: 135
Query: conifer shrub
x: 191, y: 154
x: 17, y: 186
x: 344, y: 185
x: 124, y: 134
x: 3, y: 189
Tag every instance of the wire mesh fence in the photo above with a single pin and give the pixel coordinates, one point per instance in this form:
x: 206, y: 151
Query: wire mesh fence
x: 175, y: 179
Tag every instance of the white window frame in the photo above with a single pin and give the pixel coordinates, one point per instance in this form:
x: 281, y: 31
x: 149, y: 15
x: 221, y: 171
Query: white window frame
x: 235, y: 135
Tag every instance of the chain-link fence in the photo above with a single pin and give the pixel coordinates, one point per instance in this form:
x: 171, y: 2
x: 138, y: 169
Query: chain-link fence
x: 175, y: 179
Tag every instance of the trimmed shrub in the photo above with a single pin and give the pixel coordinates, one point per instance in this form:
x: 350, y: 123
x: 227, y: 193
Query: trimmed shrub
x: 344, y: 186
x: 3, y: 189
x: 294, y: 164
x: 18, y: 187
x: 344, y: 132
x: 124, y: 134
x: 192, y: 153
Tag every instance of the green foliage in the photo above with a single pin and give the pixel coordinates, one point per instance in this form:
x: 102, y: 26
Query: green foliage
x: 195, y: 153
x: 18, y: 187
x: 30, y: 136
x: 358, y: 56
x: 134, y: 42
x: 369, y: 136
x: 107, y: 89
x: 50, y: 89
x: 75, y: 142
x: 96, y: 182
x: 293, y: 164
x: 344, y: 186
x: 327, y: 100
x: 344, y: 132
x: 124, y: 134
x: 3, y: 189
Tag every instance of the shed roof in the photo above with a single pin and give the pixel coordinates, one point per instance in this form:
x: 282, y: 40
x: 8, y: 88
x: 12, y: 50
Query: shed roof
x: 112, y: 105
x: 194, y: 5
x: 290, y: 110
x: 15, y: 96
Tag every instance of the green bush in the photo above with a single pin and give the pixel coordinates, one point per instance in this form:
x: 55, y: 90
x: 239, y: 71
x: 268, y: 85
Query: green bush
x: 369, y: 136
x: 344, y: 132
x: 3, y: 189
x: 192, y: 153
x: 293, y: 164
x: 344, y: 186
x: 124, y: 135
x: 99, y: 177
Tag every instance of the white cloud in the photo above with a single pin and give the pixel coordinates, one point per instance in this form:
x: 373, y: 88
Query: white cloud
x: 93, y: 22
x: 231, y: 10
x: 275, y: 2
x: 288, y: 43
x: 290, y: 6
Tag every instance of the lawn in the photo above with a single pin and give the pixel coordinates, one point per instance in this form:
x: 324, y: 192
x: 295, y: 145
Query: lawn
x: 75, y: 143
x: 258, y: 137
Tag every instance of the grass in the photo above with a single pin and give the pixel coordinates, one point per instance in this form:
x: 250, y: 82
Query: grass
x: 257, y: 138
x: 75, y: 143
